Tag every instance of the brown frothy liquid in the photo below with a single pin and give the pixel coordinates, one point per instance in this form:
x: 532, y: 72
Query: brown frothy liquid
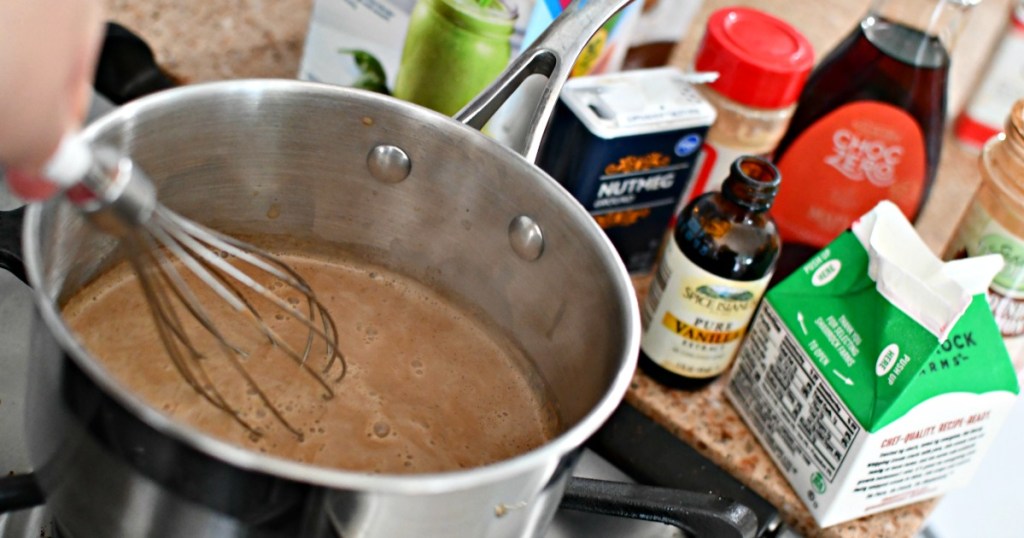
x: 428, y: 388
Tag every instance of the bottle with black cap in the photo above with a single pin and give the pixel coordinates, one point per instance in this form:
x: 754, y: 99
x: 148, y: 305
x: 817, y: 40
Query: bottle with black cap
x: 713, y: 273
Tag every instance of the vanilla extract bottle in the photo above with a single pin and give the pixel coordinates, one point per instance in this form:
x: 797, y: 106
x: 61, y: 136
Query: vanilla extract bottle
x: 714, y: 271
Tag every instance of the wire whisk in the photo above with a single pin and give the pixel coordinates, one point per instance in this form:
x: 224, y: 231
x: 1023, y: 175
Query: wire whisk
x: 171, y: 255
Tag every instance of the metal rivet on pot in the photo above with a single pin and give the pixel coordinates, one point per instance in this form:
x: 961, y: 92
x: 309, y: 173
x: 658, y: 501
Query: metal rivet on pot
x: 526, y: 238
x: 388, y: 163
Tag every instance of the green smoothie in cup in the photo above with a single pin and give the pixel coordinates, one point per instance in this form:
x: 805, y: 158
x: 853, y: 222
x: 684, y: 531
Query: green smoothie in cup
x: 453, y: 49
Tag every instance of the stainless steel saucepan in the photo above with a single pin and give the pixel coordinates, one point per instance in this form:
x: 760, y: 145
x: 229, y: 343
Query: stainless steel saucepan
x: 427, y: 196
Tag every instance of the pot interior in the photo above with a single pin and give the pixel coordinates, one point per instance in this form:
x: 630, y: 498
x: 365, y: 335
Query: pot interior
x: 290, y: 160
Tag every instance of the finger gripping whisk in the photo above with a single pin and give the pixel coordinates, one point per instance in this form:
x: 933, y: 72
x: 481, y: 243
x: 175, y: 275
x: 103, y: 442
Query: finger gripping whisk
x: 217, y: 302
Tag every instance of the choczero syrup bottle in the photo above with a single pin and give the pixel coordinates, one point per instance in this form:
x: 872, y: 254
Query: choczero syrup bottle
x: 711, y: 277
x: 869, y: 125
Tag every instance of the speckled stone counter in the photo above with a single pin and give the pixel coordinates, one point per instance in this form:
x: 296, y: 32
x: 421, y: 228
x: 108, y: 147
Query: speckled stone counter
x: 708, y: 422
x: 203, y: 40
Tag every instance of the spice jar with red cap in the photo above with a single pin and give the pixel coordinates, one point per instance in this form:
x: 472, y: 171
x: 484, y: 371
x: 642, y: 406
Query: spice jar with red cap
x: 762, y: 64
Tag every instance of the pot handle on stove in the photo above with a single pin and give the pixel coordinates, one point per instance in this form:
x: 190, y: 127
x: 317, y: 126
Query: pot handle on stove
x: 552, y: 55
x: 18, y: 492
x: 698, y: 514
x: 10, y: 242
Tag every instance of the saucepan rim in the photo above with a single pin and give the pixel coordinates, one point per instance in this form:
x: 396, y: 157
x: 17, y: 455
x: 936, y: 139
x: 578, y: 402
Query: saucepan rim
x: 548, y: 454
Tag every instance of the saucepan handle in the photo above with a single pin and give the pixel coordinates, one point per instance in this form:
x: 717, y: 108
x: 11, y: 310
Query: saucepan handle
x: 698, y: 514
x: 18, y: 492
x: 10, y: 242
x: 551, y: 55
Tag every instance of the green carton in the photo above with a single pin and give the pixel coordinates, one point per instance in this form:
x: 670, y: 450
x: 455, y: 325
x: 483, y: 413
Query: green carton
x: 875, y: 375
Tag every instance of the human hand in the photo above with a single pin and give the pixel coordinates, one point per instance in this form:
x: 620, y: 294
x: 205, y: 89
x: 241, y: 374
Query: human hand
x: 48, y: 51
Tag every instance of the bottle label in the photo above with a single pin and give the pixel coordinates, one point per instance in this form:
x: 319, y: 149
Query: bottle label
x: 693, y: 320
x: 843, y: 165
x: 662, y: 21
x: 980, y: 234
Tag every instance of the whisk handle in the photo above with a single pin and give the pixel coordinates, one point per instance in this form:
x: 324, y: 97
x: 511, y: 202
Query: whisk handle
x: 104, y: 184
x: 70, y: 163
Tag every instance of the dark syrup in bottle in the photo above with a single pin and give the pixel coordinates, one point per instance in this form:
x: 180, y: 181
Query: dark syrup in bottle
x: 881, y: 62
x: 648, y: 55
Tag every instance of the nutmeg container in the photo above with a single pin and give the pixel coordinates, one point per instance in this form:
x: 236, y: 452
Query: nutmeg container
x: 626, y: 145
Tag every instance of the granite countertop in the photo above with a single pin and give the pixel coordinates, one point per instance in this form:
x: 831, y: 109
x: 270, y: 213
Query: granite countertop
x: 221, y: 39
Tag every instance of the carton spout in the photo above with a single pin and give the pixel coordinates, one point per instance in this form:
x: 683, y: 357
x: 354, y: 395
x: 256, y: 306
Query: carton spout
x: 906, y: 272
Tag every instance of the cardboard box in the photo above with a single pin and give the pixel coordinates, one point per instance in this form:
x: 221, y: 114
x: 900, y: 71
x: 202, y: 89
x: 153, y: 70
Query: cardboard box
x: 363, y: 44
x: 360, y: 43
x: 875, y: 375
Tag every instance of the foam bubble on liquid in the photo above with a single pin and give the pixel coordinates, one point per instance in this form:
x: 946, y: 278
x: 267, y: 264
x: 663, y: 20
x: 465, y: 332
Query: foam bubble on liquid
x: 381, y: 429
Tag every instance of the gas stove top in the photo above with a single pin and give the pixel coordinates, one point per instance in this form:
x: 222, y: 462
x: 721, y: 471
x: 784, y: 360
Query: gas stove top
x: 37, y: 523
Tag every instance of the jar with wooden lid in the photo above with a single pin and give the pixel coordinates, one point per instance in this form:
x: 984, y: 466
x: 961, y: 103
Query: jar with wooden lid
x: 994, y: 224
